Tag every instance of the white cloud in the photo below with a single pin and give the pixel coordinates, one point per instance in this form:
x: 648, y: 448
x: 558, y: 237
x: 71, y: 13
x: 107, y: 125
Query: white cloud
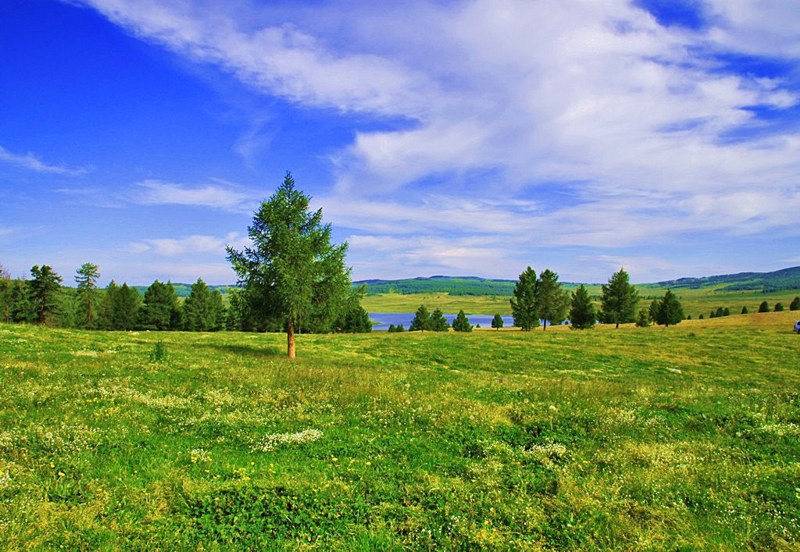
x: 32, y: 162
x: 638, y: 120
x: 156, y: 192
x: 189, y: 245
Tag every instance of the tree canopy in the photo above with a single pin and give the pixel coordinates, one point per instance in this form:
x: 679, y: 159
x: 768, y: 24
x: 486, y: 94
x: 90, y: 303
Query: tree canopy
x: 669, y: 310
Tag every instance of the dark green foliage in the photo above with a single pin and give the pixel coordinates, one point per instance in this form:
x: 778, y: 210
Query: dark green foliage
x: 763, y: 307
x: 125, y: 308
x: 497, y: 321
x: 43, y: 290
x: 421, y: 321
x: 461, y: 323
x: 582, y: 315
x: 670, y: 310
x: 619, y: 300
x: 160, y: 308
x: 778, y: 307
x: 795, y: 304
x: 203, y: 310
x: 105, y: 317
x: 292, y: 273
x: 726, y: 311
x: 6, y: 287
x: 159, y: 353
x: 523, y: 303
x: 643, y: 320
x: 720, y: 312
x: 700, y: 317
x: 396, y: 329
x: 552, y: 302
x: 652, y: 311
x: 744, y: 310
x: 88, y: 296
x: 438, y: 323
x: 355, y: 320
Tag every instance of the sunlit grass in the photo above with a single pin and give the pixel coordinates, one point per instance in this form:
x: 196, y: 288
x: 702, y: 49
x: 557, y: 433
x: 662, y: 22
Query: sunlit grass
x: 684, y: 437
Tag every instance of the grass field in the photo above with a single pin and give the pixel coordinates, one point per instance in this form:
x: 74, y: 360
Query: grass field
x: 635, y: 439
x: 694, y: 301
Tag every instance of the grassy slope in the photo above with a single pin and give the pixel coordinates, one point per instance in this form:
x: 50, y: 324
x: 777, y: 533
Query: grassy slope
x: 686, y: 437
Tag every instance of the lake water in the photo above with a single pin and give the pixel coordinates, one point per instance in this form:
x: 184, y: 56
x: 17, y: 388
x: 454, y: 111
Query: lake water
x: 384, y: 319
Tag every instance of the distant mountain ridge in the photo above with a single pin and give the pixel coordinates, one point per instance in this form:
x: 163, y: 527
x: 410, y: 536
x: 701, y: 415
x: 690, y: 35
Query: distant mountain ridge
x: 787, y: 278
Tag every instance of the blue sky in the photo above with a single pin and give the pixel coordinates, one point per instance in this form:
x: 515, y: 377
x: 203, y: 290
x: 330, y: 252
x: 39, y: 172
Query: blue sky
x: 440, y: 137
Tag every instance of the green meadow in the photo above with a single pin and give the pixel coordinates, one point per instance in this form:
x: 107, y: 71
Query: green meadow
x: 636, y: 439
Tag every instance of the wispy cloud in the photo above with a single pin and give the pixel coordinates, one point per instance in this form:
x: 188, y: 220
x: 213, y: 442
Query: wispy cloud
x: 32, y: 162
x: 217, y: 196
x: 189, y: 245
x: 654, y: 134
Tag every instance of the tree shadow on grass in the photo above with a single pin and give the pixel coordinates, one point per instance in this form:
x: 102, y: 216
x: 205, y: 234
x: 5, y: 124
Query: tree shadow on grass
x: 246, y: 350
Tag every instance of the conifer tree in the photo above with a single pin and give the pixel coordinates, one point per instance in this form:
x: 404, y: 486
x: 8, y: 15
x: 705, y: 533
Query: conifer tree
x: 43, y: 290
x: 619, y: 299
x: 125, y: 308
x: 552, y: 302
x: 461, y: 323
x: 438, y: 322
x: 497, y: 322
x: 421, y: 321
x: 292, y: 273
x: 670, y: 310
x: 523, y: 304
x: 763, y: 307
x: 582, y: 314
x: 88, y: 295
x: 160, y: 307
x: 795, y: 304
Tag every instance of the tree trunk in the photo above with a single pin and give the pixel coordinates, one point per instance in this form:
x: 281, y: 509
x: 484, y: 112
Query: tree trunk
x: 290, y: 339
x: 544, y: 326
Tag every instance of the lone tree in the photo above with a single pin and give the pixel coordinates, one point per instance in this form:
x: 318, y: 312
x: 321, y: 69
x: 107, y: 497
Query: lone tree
x: 670, y: 310
x: 551, y: 300
x: 619, y: 299
x: 524, y: 303
x: 763, y: 307
x: 582, y: 314
x: 497, y: 322
x: 795, y: 304
x: 88, y: 294
x: 292, y: 273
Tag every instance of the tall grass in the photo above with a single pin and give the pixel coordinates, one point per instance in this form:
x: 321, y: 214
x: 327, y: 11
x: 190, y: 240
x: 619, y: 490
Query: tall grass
x: 687, y: 437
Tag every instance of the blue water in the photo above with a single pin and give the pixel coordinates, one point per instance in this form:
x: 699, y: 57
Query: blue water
x: 383, y: 320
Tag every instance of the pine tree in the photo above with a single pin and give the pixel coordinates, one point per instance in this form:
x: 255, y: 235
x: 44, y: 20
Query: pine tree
x: 202, y: 309
x: 744, y: 310
x: 619, y: 299
x: 763, y: 307
x: 461, y: 323
x: 43, y: 290
x: 552, y: 302
x: 421, y: 321
x: 292, y: 272
x: 670, y: 310
x: 105, y: 315
x: 643, y: 321
x: 582, y: 314
x: 778, y: 307
x: 438, y: 321
x: 126, y: 304
x: 795, y: 304
x: 160, y: 307
x: 88, y: 295
x: 523, y: 304
x: 497, y: 322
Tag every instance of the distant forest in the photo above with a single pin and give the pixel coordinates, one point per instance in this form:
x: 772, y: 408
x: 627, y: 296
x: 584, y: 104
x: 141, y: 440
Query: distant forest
x: 788, y: 278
